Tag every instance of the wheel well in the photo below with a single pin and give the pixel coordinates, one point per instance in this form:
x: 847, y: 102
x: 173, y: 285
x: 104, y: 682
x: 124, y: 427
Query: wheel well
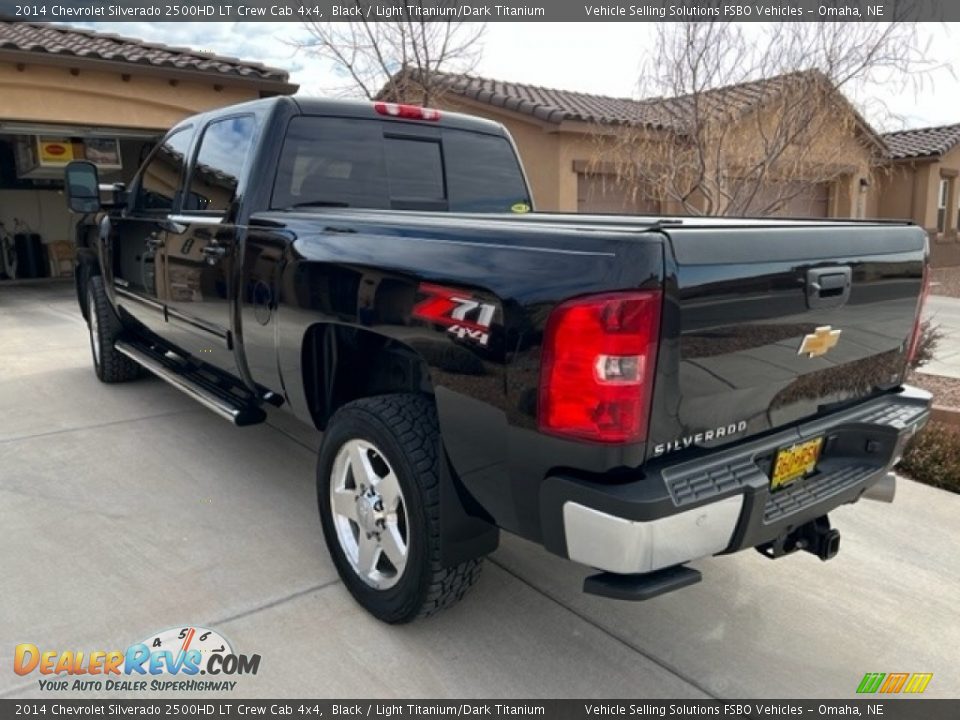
x: 341, y: 364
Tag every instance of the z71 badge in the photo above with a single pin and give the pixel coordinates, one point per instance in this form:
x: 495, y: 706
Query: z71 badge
x: 464, y: 315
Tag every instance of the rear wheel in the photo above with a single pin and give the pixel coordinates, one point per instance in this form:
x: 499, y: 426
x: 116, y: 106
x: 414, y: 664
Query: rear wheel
x: 378, y: 488
x: 105, y: 327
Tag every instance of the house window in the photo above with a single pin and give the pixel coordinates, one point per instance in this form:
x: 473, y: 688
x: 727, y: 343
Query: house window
x: 942, y: 205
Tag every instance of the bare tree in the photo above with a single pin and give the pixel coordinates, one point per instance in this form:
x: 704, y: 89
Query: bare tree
x: 747, y: 119
x: 403, y: 58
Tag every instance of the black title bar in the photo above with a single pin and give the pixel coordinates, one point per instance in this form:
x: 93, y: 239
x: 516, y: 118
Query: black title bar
x: 901, y: 709
x: 499, y: 10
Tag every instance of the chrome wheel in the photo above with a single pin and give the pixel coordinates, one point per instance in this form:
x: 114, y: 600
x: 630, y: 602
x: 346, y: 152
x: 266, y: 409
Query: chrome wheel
x: 94, y: 328
x: 369, y: 514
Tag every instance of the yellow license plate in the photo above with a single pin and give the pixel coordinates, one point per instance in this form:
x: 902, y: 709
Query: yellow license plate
x: 795, y: 462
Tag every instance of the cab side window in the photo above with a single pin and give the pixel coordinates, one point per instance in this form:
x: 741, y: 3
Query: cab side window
x: 161, y: 178
x: 224, y: 148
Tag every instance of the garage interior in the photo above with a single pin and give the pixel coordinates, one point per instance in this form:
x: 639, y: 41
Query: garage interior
x: 36, y: 229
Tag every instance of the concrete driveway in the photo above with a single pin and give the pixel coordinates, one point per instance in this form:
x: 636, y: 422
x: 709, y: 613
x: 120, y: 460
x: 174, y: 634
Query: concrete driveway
x: 945, y: 312
x: 128, y: 509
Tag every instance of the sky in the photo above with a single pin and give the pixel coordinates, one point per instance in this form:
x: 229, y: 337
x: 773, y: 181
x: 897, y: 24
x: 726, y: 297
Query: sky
x: 602, y: 58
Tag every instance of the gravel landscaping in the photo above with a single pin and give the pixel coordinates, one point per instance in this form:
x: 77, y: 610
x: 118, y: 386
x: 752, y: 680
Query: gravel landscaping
x: 946, y: 390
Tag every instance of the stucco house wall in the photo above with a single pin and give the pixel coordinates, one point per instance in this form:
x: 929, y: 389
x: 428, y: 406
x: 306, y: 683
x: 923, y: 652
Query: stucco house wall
x: 61, y: 95
x: 910, y: 189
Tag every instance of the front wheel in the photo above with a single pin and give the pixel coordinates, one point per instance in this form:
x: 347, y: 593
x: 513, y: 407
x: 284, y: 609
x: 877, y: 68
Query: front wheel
x: 378, y: 488
x: 104, y: 326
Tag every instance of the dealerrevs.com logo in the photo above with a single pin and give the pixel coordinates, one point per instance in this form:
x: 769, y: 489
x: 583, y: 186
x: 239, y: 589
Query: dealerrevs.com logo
x: 169, y: 661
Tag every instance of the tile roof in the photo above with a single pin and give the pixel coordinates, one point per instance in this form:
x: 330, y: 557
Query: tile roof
x: 87, y: 44
x: 544, y: 103
x: 555, y: 106
x: 923, y: 142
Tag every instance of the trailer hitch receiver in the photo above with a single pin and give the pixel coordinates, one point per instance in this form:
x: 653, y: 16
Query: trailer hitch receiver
x: 815, y: 537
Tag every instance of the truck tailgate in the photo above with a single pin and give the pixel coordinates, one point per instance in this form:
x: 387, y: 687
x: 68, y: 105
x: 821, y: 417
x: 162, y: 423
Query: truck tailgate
x: 764, y: 326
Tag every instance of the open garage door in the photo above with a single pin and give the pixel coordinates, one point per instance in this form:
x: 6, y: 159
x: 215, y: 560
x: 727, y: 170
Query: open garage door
x: 36, y: 229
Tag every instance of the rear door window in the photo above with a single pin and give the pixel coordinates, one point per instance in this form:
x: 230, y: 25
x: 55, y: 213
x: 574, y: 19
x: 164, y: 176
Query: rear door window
x: 337, y: 162
x: 224, y: 148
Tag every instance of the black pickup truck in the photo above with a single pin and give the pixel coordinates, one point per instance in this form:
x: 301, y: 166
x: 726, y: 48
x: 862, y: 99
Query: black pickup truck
x: 632, y: 393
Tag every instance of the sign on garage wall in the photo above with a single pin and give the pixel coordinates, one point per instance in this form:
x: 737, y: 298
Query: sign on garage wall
x: 54, y: 151
x: 41, y: 157
x: 103, y: 152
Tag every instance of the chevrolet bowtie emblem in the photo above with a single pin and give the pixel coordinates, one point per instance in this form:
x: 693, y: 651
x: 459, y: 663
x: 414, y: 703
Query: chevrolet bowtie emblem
x: 819, y: 342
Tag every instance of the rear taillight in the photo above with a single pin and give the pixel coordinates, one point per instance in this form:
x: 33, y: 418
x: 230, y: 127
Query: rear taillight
x: 596, y: 375
x: 406, y: 112
x: 918, y: 321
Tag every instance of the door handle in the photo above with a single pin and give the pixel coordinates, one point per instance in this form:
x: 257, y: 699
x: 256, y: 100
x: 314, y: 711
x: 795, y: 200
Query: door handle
x: 828, y: 287
x: 212, y: 252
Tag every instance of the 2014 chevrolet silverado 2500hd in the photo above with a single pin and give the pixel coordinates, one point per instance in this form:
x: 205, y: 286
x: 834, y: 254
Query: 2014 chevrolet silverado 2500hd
x: 632, y: 393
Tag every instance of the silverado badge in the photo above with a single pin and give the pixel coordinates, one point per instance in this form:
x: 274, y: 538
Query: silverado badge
x: 819, y: 342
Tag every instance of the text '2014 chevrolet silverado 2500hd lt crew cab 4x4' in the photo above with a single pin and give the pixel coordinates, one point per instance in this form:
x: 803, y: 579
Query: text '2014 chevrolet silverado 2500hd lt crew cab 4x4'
x: 633, y: 393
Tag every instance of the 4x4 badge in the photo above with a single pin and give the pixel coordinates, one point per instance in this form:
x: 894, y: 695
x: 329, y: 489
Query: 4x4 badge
x: 819, y: 342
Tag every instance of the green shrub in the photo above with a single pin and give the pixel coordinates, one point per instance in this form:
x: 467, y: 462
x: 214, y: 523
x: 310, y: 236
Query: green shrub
x: 933, y: 457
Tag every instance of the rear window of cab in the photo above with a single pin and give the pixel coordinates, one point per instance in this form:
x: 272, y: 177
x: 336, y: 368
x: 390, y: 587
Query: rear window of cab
x: 340, y: 162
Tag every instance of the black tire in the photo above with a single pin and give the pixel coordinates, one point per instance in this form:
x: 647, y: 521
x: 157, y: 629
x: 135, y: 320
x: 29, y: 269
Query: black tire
x: 403, y: 428
x: 104, y: 328
x: 81, y: 278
